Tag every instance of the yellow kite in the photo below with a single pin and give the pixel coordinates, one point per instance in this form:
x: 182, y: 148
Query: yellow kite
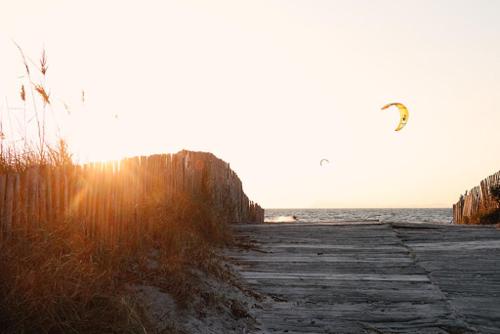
x: 403, y: 114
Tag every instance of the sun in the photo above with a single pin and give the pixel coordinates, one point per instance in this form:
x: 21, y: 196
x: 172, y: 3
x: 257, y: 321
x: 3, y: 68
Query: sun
x: 96, y: 136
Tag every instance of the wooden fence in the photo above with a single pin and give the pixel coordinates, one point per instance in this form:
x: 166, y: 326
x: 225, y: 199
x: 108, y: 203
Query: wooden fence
x: 107, y: 198
x: 475, y: 201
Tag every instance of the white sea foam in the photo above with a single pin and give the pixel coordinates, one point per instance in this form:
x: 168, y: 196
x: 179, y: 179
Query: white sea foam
x: 281, y: 219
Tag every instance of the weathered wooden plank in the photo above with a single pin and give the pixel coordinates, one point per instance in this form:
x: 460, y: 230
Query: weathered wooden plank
x: 327, y: 278
x: 253, y: 275
x: 319, y: 259
x: 467, y: 271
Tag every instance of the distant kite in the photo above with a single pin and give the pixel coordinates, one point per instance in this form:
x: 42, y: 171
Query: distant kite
x: 323, y: 162
x: 403, y: 114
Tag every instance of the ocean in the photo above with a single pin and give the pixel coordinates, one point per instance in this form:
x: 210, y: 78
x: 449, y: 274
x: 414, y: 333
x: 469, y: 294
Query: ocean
x: 438, y: 216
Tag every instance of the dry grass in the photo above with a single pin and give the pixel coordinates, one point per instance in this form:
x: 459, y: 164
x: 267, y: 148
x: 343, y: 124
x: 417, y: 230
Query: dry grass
x: 51, y: 283
x: 56, y: 279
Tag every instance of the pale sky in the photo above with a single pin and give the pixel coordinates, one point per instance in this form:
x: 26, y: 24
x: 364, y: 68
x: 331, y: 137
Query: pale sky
x: 275, y: 86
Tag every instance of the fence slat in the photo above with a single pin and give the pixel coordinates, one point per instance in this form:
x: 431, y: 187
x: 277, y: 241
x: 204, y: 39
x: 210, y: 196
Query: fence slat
x: 111, y: 200
x: 3, y: 185
x: 9, y: 203
x: 478, y: 199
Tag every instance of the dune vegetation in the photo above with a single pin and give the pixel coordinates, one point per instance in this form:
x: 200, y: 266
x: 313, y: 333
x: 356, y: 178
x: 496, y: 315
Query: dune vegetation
x: 56, y: 278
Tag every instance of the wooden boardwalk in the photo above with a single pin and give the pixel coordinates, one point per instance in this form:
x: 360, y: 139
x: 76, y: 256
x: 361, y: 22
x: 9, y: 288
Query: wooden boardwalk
x: 373, y: 278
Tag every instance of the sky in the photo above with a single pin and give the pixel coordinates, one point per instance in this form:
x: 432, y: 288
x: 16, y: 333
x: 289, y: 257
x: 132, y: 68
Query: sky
x: 273, y: 87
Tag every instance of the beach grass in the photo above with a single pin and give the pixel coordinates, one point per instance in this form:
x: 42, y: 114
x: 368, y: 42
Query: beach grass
x: 56, y: 278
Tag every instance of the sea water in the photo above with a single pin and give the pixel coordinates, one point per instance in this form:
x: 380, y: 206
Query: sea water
x: 358, y: 215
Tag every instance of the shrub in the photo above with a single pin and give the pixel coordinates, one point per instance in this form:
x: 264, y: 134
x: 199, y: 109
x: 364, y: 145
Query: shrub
x: 490, y: 217
x: 495, y: 193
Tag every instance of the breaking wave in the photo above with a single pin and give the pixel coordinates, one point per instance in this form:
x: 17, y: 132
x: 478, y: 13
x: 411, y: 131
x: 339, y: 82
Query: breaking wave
x: 281, y: 219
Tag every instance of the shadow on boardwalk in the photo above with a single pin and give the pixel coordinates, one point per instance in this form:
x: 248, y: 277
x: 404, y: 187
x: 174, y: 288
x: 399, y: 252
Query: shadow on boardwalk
x: 373, y: 278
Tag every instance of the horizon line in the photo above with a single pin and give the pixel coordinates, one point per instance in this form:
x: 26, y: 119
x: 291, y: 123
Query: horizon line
x: 357, y: 208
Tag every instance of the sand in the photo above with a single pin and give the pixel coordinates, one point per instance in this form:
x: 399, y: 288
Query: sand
x: 221, y: 307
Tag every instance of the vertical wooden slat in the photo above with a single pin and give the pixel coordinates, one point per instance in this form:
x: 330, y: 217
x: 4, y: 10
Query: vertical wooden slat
x: 42, y: 196
x: 3, y: 188
x: 119, y: 197
x: 94, y: 186
x: 31, y: 197
x: 88, y: 203
x: 18, y: 206
x: 87, y: 200
x: 36, y: 191
x: 107, y: 200
x: 110, y: 199
x: 122, y: 220
x: 99, y: 207
x: 24, y: 199
x: 65, y: 194
x: 49, y: 195
x: 56, y: 215
x: 9, y: 203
